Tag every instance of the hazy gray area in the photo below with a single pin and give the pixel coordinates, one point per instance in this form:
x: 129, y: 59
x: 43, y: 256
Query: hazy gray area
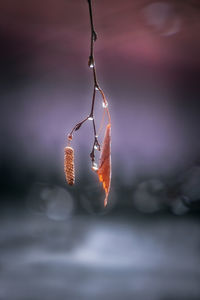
x: 108, y: 258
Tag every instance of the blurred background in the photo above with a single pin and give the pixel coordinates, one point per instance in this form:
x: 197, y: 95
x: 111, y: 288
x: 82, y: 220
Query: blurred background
x: 58, y: 242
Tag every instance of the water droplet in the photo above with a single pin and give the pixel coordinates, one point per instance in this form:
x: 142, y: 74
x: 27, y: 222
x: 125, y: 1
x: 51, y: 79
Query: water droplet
x: 91, y: 118
x: 95, y: 147
x: 91, y: 62
x: 96, y: 88
x: 94, y: 167
x: 105, y: 104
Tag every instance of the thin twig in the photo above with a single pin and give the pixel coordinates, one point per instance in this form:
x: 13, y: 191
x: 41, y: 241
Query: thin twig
x: 96, y: 87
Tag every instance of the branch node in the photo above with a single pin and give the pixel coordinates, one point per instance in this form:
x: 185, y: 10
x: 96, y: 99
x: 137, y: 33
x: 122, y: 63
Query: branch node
x: 94, y: 35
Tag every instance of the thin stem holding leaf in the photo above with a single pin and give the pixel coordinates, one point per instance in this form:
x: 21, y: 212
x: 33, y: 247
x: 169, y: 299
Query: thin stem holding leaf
x: 96, y: 88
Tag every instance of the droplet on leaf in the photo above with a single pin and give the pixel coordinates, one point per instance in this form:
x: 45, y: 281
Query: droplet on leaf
x: 94, y: 167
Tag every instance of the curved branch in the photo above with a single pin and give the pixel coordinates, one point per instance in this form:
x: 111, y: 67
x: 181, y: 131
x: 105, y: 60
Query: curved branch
x: 96, y: 87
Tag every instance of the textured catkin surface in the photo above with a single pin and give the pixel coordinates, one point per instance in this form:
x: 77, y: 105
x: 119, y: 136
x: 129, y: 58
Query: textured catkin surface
x: 69, y: 165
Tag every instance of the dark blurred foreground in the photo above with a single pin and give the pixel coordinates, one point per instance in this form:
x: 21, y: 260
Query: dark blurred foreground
x: 87, y: 258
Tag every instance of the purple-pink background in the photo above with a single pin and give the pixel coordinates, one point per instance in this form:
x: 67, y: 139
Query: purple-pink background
x: 148, y: 63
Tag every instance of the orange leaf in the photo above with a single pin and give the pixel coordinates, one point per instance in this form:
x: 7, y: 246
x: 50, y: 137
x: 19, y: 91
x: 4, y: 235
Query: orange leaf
x: 104, y: 171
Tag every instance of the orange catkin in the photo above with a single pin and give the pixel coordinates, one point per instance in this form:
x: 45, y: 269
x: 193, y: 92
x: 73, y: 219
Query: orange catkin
x: 69, y: 165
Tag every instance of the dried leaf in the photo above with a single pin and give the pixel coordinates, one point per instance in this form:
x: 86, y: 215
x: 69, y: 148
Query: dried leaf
x: 104, y: 171
x: 69, y: 165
